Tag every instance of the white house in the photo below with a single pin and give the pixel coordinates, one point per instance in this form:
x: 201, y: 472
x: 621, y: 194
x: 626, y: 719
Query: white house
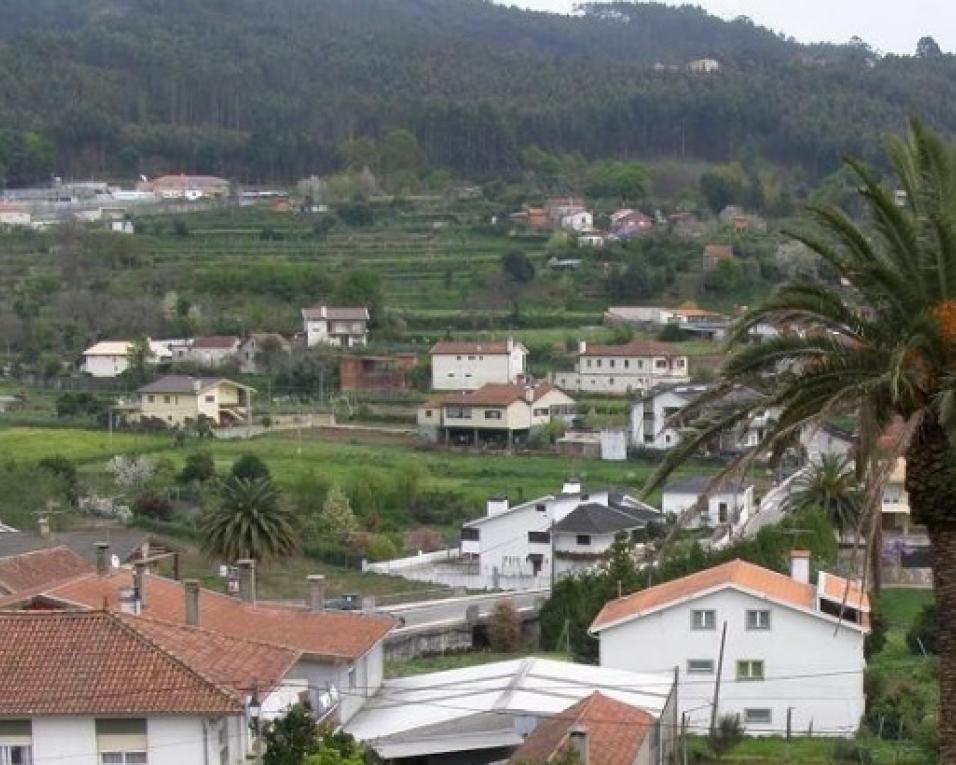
x: 338, y: 326
x: 650, y: 415
x: 622, y: 369
x: 730, y: 502
x: 577, y: 219
x: 827, y: 440
x: 468, y: 365
x: 110, y: 358
x: 896, y: 516
x: 211, y: 351
x: 495, y: 413
x: 793, y: 650
x: 524, y: 546
x: 704, y: 65
x: 12, y: 214
x: 482, y: 714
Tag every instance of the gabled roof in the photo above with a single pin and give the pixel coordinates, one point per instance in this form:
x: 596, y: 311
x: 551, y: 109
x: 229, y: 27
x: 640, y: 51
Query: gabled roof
x: 126, y: 543
x: 186, y: 384
x: 637, y: 348
x: 92, y: 663
x: 615, y: 732
x: 495, y: 394
x: 216, y: 342
x: 719, y: 251
x: 335, y: 635
x: 483, y: 347
x: 40, y: 567
x: 699, y: 484
x: 595, y: 518
x: 109, y: 348
x: 335, y: 313
x: 737, y: 574
x: 227, y: 661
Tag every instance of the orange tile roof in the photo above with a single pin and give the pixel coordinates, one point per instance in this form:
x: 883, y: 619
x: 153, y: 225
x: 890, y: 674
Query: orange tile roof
x: 738, y: 573
x: 835, y: 588
x: 227, y: 661
x: 40, y: 568
x: 493, y: 394
x: 636, y: 348
x: 330, y: 634
x: 615, y: 732
x: 91, y: 663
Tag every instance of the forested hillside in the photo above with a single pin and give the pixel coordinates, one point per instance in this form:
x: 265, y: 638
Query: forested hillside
x: 270, y: 90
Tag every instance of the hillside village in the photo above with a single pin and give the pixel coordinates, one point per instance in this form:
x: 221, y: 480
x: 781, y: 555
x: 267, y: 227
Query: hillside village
x: 603, y: 459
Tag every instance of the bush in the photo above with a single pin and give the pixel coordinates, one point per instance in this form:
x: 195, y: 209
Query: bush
x: 153, y: 505
x: 726, y: 735
x: 895, y: 710
x: 922, y: 635
x: 504, y: 627
x: 250, y: 467
x: 199, y: 467
x: 79, y: 404
x: 847, y: 750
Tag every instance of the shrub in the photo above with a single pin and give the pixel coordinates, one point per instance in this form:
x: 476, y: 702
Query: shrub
x: 199, y: 467
x: 726, y: 735
x: 895, y: 710
x: 847, y: 750
x: 153, y: 505
x: 922, y: 635
x: 250, y: 467
x: 504, y: 627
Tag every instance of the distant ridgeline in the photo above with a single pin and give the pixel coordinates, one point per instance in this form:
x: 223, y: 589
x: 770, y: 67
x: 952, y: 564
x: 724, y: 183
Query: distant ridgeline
x: 270, y: 90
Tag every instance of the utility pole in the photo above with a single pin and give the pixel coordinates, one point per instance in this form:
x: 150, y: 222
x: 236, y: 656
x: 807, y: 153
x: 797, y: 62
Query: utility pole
x: 720, y: 669
x: 683, y: 737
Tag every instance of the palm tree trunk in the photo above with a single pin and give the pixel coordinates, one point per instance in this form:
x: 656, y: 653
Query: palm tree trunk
x: 931, y: 485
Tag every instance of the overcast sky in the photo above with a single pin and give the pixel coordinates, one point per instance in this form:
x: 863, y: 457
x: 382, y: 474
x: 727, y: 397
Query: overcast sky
x: 889, y: 25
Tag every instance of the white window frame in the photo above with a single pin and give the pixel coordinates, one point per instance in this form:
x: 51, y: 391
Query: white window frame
x: 703, y: 619
x: 755, y: 619
x: 765, y: 713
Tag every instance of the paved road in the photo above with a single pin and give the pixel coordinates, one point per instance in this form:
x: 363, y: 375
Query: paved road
x: 454, y: 609
x: 772, y: 507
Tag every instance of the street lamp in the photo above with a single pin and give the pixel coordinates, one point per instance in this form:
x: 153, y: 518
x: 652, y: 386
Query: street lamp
x: 254, y: 710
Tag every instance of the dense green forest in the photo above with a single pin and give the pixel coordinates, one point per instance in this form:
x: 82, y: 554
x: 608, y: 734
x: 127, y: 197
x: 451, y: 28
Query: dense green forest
x: 270, y: 91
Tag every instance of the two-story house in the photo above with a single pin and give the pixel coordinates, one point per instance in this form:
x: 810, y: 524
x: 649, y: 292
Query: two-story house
x: 174, y: 399
x: 623, y: 369
x: 651, y: 413
x: 467, y: 365
x: 338, y: 326
x: 789, y: 652
x: 729, y: 503
x: 110, y: 358
x: 524, y: 546
x: 213, y: 351
x: 496, y: 413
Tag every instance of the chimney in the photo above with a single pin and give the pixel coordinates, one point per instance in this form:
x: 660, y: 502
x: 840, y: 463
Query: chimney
x: 800, y: 566
x: 192, y: 602
x: 582, y: 347
x: 316, y: 592
x: 43, y: 526
x: 102, y: 558
x: 197, y: 385
x: 571, y: 486
x: 578, y: 738
x: 497, y: 505
x: 247, y: 580
x: 511, y: 344
x: 139, y: 583
x: 529, y: 393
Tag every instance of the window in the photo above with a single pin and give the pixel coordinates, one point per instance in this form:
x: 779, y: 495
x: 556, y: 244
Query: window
x: 166, y: 399
x: 16, y: 742
x: 121, y: 742
x: 722, y: 512
x: 611, y: 381
x: 612, y: 363
x: 151, y: 399
x: 700, y: 666
x: 703, y: 620
x: 627, y: 363
x: 223, y: 743
x: 457, y: 413
x: 589, y: 363
x: 758, y: 716
x: 598, y: 363
x: 584, y: 539
x: 210, y: 399
x: 428, y: 412
x: 471, y: 358
x: 469, y: 534
x: 758, y: 620
x: 458, y: 358
x: 539, y: 537
x: 492, y: 414
x: 541, y: 412
x: 661, y: 363
x: 750, y: 669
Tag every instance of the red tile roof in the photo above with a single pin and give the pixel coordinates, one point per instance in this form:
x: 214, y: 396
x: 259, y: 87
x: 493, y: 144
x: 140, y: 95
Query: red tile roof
x: 330, y: 634
x: 494, y: 394
x: 735, y: 573
x: 615, y: 732
x: 91, y: 663
x: 40, y: 568
x: 633, y: 349
x: 227, y: 661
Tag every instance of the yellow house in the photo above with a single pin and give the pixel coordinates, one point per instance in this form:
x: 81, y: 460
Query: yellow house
x: 174, y: 399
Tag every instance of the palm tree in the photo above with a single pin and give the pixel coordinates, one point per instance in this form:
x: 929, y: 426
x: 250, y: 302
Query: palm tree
x: 829, y: 485
x: 250, y: 521
x: 880, y: 346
